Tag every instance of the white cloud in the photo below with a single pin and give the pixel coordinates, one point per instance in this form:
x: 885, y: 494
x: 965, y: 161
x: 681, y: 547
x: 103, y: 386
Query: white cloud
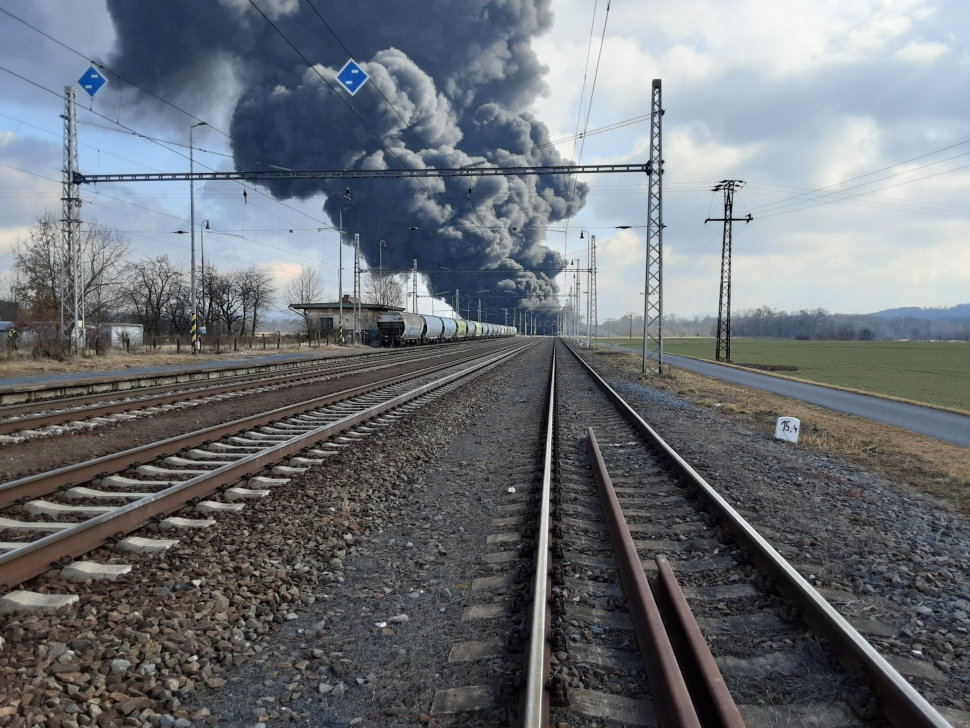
x: 922, y: 52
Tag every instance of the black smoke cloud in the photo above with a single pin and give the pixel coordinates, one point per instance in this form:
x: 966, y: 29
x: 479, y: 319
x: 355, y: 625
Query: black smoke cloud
x: 460, y: 73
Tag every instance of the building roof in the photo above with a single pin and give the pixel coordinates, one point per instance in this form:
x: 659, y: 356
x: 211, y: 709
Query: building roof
x: 336, y: 306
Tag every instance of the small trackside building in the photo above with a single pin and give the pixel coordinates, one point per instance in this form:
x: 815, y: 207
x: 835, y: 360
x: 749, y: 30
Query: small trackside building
x: 324, y: 318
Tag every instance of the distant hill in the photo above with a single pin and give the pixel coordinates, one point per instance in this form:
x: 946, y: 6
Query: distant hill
x: 960, y: 311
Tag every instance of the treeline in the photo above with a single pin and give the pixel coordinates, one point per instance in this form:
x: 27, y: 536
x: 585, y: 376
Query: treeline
x: 815, y: 323
x: 152, y: 291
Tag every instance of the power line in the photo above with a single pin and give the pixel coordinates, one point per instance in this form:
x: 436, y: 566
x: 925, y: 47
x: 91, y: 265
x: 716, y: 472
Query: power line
x: 860, y: 194
x: 160, y: 144
x: 589, y: 105
x: 869, y: 174
x: 122, y: 78
x: 329, y: 85
x: 778, y: 206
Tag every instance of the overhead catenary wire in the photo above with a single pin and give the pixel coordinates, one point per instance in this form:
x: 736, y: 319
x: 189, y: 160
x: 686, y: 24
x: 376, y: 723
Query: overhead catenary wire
x: 163, y: 146
x: 117, y: 75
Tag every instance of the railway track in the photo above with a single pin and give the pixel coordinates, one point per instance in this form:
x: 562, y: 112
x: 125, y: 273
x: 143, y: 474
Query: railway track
x: 631, y: 593
x: 83, y: 506
x: 49, y: 413
x: 782, y: 648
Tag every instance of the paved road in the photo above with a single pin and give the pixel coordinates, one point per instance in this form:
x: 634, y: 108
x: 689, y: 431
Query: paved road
x: 947, y: 426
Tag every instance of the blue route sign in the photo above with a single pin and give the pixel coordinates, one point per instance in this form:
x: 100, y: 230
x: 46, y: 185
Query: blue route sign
x: 92, y: 81
x: 352, y: 77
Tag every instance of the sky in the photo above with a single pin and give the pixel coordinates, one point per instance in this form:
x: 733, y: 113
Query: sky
x: 800, y: 99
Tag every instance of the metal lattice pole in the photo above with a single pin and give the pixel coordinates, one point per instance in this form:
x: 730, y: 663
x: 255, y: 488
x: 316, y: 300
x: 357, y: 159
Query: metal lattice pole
x: 71, y: 308
x: 357, y: 332
x: 722, y: 351
x: 653, y: 292
x: 593, y: 313
x: 414, y: 285
x: 589, y: 291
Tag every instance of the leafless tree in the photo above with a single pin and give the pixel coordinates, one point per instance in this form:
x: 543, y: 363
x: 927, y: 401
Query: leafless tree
x: 384, y: 290
x: 304, y: 287
x: 38, y: 263
x: 257, y: 292
x: 150, y: 287
x: 227, y: 300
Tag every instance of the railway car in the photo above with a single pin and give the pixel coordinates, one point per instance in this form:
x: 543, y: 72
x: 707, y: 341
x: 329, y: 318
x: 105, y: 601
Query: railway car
x: 397, y: 328
x: 449, y: 329
x: 434, y: 327
x: 408, y: 329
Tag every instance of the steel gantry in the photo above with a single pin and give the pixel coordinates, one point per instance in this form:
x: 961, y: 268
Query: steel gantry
x: 655, y: 291
x: 653, y: 300
x: 428, y: 172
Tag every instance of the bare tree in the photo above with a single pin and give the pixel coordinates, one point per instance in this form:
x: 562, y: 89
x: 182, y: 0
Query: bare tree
x: 304, y: 287
x: 257, y: 291
x: 384, y: 290
x: 150, y: 287
x: 102, y: 253
x: 227, y: 300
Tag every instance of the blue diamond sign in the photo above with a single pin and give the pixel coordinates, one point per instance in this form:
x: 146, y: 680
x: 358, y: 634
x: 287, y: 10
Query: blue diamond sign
x: 352, y: 77
x: 92, y: 81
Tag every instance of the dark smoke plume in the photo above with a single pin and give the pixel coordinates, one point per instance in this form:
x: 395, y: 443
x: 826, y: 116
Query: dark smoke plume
x: 461, y: 73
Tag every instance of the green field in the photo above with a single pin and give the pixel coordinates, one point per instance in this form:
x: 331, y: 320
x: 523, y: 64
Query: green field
x: 931, y: 372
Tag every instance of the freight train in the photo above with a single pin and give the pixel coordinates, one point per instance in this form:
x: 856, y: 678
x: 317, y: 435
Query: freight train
x: 408, y: 329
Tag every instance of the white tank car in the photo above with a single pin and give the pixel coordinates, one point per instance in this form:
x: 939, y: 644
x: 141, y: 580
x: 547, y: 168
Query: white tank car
x: 397, y: 328
x: 449, y: 328
x: 434, y: 326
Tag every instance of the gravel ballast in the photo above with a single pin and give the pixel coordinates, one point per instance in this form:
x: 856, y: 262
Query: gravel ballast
x: 257, y: 616
x: 74, y: 445
x: 902, y: 555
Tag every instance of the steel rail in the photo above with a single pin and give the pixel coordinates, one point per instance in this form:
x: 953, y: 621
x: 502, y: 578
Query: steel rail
x: 899, y: 701
x: 34, y: 404
x: 536, y: 708
x: 671, y: 698
x: 246, y: 382
x: 35, y: 558
x: 39, y: 484
x: 709, y: 693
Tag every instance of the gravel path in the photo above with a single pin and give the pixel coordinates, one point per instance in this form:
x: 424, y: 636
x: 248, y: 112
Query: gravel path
x: 901, y: 555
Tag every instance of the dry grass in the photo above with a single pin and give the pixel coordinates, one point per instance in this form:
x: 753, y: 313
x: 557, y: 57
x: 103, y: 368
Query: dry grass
x: 928, y: 464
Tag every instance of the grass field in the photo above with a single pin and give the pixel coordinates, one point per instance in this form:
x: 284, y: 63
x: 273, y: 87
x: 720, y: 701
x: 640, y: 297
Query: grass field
x: 931, y: 372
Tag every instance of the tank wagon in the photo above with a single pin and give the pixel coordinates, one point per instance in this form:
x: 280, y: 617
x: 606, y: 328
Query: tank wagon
x: 397, y: 328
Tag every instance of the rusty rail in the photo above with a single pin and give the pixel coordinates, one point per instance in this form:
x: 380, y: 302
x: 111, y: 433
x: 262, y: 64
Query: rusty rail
x: 106, y: 403
x: 671, y: 698
x: 899, y: 701
x: 41, y: 484
x: 28, y: 561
